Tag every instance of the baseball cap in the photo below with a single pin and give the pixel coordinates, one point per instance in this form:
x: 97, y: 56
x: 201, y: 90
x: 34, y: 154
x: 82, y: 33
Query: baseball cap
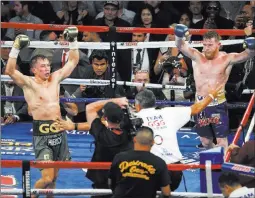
x: 114, y: 3
x: 113, y: 112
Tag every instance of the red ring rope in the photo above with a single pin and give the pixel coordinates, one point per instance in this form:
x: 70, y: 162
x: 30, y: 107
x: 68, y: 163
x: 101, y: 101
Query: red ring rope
x: 91, y: 165
x: 242, y: 124
x: 225, y: 32
x: 53, y: 27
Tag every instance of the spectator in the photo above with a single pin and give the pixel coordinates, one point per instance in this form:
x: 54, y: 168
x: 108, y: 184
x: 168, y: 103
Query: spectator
x: 141, y: 59
x: 46, y: 35
x: 98, y: 70
x: 213, y: 20
x: 10, y: 109
x: 146, y: 18
x: 168, y: 72
x: 196, y: 8
x: 23, y: 15
x: 142, y: 76
x: 90, y: 37
x: 39, y: 8
x: 111, y: 18
x: 244, y: 156
x: 229, y: 9
x: 110, y: 139
x: 74, y: 13
x: 166, y: 122
x: 231, y: 187
x: 162, y: 18
x: 123, y: 13
x: 151, y: 171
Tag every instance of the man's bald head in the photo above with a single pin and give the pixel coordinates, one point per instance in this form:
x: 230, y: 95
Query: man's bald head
x: 144, y: 136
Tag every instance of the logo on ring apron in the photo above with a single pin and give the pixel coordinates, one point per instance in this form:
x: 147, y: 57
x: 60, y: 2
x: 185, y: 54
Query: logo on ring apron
x: 47, y: 128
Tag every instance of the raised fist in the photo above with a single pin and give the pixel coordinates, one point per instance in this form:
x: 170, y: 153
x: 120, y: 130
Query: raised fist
x: 249, y: 43
x: 70, y: 34
x: 21, y: 41
x: 181, y: 30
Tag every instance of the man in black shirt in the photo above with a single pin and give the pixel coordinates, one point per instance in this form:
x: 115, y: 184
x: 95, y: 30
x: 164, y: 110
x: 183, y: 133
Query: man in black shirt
x: 110, y: 139
x: 139, y: 173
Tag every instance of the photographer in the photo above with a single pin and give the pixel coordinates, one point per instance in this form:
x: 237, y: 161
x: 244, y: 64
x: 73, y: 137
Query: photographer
x: 173, y: 68
x: 165, y: 123
x: 109, y: 137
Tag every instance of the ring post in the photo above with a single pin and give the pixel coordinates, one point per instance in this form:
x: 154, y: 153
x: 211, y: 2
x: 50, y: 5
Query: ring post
x: 113, y: 59
x: 215, y: 155
x: 26, y: 178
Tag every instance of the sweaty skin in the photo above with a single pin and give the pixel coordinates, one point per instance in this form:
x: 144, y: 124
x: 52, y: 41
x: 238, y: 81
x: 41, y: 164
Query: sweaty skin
x: 210, y: 73
x: 43, y: 97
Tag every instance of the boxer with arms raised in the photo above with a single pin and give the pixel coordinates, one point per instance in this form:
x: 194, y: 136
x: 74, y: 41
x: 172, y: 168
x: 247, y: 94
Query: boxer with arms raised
x: 42, y: 96
x: 212, y: 67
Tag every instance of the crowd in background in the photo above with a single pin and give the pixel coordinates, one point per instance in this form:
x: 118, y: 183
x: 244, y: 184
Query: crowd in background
x: 138, y: 65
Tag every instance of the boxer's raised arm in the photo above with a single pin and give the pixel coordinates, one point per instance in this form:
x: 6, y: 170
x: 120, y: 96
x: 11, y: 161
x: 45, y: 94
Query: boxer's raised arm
x: 181, y: 32
x: 249, y: 52
x: 70, y: 34
x: 21, y: 41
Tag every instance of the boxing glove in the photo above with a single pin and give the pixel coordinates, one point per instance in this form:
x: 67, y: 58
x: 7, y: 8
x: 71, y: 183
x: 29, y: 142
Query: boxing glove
x: 70, y: 34
x: 181, y: 31
x: 21, y: 41
x: 249, y: 43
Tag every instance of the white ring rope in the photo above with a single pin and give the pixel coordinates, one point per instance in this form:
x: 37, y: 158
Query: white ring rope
x: 96, y: 82
x: 92, y: 192
x: 248, y: 135
x: 120, y: 45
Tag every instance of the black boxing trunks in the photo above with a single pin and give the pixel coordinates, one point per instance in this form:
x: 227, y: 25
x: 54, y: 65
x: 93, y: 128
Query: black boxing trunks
x: 49, y: 143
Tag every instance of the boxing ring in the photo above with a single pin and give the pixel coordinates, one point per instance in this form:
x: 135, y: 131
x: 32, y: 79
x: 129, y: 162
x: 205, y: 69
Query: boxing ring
x: 16, y: 147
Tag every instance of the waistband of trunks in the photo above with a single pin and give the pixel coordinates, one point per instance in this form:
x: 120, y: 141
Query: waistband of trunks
x: 45, y: 127
x: 221, y: 98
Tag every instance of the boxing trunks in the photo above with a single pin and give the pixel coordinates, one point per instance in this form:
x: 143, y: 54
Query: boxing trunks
x: 49, y: 143
x: 213, y: 121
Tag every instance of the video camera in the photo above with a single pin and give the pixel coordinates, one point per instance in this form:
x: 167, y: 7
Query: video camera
x: 171, y: 63
x: 131, y: 122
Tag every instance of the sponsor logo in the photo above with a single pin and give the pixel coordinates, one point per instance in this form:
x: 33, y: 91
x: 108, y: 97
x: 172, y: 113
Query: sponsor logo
x: 136, y: 169
x: 130, y: 43
x: 113, y: 64
x: 243, y: 169
x: 47, y: 128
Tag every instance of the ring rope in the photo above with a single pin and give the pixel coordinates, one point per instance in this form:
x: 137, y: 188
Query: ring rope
x: 238, y: 168
x: 242, y: 124
x: 93, y: 192
x: 120, y: 45
x: 226, y: 32
x: 96, y: 82
x: 92, y: 165
x: 250, y: 129
x: 235, y: 105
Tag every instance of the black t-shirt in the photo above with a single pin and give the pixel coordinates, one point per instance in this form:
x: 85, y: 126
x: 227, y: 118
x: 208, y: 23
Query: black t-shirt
x: 107, y: 145
x: 138, y: 174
